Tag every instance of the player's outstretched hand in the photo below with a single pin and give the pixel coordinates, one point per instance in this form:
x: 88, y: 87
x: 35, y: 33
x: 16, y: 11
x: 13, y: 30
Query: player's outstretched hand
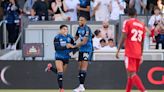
x: 117, y: 55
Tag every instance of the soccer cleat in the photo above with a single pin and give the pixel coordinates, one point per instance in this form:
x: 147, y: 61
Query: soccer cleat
x: 79, y: 89
x: 48, y: 68
x: 61, y: 90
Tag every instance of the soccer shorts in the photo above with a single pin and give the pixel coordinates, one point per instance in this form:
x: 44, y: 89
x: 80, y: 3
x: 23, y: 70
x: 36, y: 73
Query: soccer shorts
x: 65, y: 61
x: 132, y: 64
x: 85, y: 56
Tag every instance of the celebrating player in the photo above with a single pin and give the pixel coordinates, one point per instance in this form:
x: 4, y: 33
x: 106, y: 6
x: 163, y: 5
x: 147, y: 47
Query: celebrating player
x: 133, y: 34
x: 85, y: 51
x: 63, y: 42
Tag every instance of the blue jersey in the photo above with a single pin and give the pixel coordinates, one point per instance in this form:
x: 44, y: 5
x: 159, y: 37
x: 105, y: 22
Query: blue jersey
x: 60, y: 41
x: 82, y: 32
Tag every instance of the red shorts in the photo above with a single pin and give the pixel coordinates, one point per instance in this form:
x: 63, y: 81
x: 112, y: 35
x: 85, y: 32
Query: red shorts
x: 132, y: 64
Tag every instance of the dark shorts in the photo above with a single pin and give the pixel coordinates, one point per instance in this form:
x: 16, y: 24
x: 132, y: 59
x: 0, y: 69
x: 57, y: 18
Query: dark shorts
x: 65, y: 61
x: 85, y: 56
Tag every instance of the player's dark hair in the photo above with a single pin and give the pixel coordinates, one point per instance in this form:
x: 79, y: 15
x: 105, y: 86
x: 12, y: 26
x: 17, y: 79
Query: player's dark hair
x: 110, y: 39
x: 132, y: 12
x: 83, y: 17
x: 61, y: 26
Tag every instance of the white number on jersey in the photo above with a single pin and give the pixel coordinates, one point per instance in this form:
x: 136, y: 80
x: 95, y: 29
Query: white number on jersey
x: 137, y: 35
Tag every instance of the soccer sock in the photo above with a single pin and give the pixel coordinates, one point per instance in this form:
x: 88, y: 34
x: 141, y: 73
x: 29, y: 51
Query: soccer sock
x: 60, y: 79
x: 138, y: 83
x: 82, y: 75
x: 129, y: 84
x: 53, y: 70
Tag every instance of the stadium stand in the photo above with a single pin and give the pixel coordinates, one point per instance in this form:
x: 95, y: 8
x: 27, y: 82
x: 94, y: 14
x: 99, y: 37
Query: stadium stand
x: 44, y: 32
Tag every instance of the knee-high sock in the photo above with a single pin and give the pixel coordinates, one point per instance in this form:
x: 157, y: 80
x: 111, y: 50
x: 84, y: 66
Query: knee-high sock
x: 138, y: 83
x: 82, y: 75
x: 60, y: 79
x: 129, y: 84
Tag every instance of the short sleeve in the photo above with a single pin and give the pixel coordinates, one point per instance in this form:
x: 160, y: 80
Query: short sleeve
x: 87, y: 31
x: 77, y: 33
x: 72, y: 41
x: 125, y: 27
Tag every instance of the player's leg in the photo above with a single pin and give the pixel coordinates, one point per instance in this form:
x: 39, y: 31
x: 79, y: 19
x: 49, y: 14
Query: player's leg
x: 83, y: 66
x: 132, y: 66
x: 83, y: 71
x: 129, y: 83
x: 60, y: 69
x: 65, y: 64
x: 136, y: 79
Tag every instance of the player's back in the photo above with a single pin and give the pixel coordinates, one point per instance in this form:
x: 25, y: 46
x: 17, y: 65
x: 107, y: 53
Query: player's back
x: 135, y: 31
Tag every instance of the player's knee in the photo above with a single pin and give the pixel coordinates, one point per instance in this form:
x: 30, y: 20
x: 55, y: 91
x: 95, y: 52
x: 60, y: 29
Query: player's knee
x: 82, y: 73
x: 60, y: 76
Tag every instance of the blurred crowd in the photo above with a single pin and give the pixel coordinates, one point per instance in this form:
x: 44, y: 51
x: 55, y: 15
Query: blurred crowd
x: 92, y: 10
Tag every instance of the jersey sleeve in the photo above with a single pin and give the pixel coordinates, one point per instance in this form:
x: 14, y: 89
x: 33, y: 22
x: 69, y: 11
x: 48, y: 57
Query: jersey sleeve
x: 57, y: 44
x: 72, y: 41
x: 77, y: 34
x: 125, y: 27
x: 87, y: 32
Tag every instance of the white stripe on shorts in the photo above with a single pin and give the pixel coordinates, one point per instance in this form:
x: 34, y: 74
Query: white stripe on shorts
x: 126, y: 62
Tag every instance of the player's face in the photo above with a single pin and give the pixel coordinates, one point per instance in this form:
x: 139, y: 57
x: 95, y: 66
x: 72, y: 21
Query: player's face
x: 64, y: 30
x: 82, y: 21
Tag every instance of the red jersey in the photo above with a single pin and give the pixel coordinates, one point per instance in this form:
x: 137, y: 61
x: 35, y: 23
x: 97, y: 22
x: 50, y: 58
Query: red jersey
x: 135, y: 31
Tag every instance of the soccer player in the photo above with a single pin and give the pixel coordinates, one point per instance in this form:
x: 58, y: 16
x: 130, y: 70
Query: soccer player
x: 85, y: 51
x: 63, y: 42
x: 133, y: 34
